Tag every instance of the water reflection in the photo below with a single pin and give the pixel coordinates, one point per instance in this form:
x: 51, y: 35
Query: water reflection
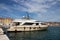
x: 35, y: 35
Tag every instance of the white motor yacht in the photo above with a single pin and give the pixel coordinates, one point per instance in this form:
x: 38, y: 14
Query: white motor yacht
x: 26, y: 24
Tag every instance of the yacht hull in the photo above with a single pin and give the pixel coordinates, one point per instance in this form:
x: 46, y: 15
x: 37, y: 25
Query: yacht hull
x: 27, y: 28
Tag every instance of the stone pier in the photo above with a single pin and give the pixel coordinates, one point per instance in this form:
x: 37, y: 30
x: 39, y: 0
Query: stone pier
x: 2, y: 35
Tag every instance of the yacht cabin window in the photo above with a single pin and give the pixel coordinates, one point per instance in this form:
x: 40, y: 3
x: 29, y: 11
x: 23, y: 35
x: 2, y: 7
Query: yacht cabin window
x: 37, y: 23
x: 16, y: 23
x: 43, y: 23
x: 28, y: 23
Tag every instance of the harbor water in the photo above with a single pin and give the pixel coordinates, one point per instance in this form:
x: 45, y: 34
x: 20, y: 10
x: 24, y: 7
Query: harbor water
x: 52, y: 33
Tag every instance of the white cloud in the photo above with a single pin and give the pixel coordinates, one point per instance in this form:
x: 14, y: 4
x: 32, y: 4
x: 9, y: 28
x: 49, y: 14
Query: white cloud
x: 32, y: 5
x: 8, y: 11
x: 5, y: 7
x: 58, y: 0
x: 35, y: 6
x: 38, y: 7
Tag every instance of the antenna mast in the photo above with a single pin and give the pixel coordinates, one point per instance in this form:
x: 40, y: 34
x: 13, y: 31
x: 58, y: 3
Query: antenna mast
x: 27, y: 15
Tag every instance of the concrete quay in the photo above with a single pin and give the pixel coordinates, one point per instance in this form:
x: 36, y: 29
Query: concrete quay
x: 1, y: 31
x: 2, y: 35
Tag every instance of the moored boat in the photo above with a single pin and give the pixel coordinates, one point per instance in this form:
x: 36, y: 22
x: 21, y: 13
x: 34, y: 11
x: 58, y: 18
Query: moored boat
x: 26, y: 25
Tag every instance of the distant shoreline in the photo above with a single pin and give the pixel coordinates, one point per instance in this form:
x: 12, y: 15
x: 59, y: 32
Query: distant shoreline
x: 53, y: 23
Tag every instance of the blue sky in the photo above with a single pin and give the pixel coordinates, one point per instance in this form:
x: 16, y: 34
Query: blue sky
x: 42, y: 10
